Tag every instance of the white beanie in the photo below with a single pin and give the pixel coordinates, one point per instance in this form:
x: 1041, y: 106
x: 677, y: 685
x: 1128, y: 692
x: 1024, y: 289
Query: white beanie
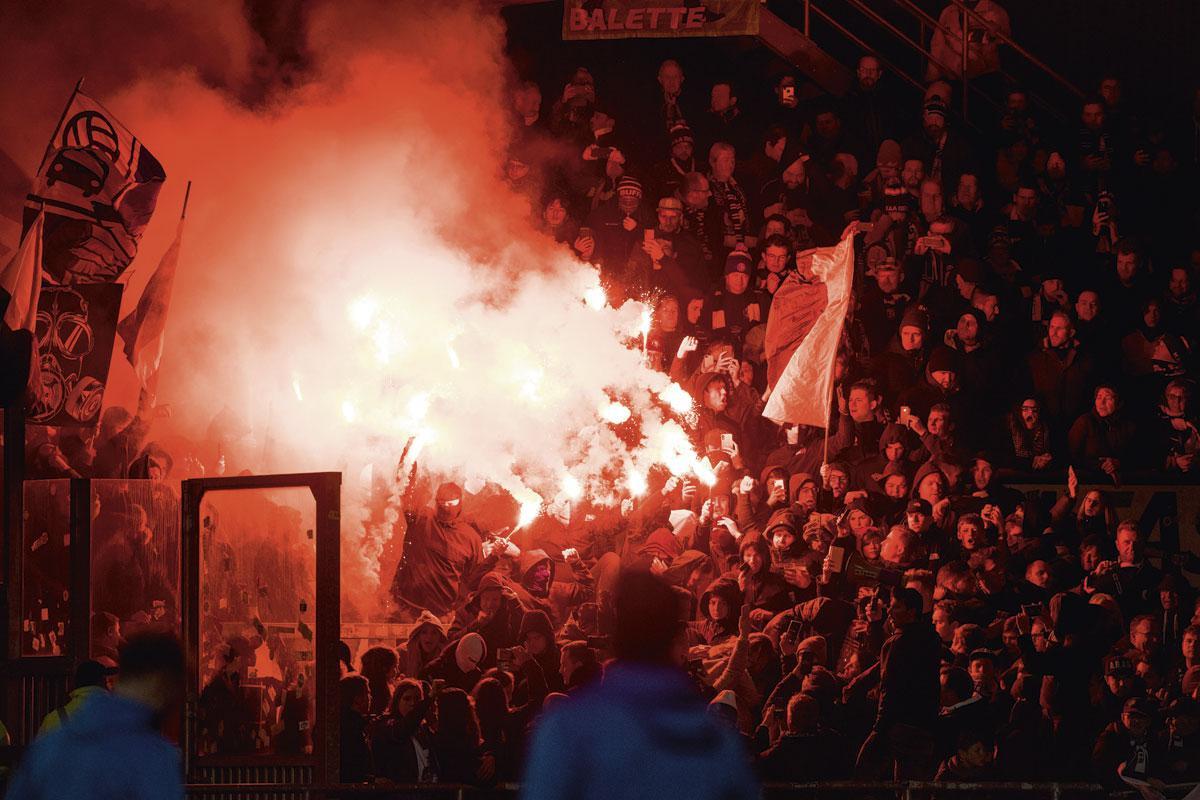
x: 470, y: 651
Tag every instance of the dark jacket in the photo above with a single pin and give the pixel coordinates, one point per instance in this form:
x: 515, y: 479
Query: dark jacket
x: 909, y: 687
x: 641, y: 720
x: 1093, y: 437
x: 709, y: 630
x: 442, y: 560
x: 354, y: 761
x: 801, y: 758
x: 392, y: 740
x: 1063, y: 381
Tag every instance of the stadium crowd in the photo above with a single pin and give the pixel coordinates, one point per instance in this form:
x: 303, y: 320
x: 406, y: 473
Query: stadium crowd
x: 881, y: 603
x: 873, y: 599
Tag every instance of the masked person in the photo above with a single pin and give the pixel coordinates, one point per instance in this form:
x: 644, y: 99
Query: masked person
x: 443, y: 558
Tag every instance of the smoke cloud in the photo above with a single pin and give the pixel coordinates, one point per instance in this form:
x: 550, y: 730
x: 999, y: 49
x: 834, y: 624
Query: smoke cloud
x: 356, y: 278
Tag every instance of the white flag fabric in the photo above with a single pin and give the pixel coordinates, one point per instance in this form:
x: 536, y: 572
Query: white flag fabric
x: 22, y: 279
x: 801, y: 395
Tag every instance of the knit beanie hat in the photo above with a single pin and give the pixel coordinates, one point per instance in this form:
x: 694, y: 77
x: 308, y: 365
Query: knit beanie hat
x: 629, y: 186
x: 915, y: 317
x: 942, y: 360
x: 889, y: 153
x: 738, y: 261
x: 680, y: 132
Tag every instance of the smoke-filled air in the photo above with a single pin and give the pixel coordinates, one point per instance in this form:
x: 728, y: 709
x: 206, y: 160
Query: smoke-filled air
x: 357, y: 282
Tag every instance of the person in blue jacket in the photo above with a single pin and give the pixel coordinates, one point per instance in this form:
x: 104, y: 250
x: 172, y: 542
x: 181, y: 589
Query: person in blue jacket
x: 644, y: 732
x: 112, y: 746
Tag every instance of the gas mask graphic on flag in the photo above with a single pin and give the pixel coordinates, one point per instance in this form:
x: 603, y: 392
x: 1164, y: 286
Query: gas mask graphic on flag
x: 65, y: 338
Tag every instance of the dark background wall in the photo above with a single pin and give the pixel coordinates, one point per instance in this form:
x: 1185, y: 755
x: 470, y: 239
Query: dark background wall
x: 1151, y: 45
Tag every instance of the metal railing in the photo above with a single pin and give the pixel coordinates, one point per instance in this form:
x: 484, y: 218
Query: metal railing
x: 871, y: 10
x: 830, y: 790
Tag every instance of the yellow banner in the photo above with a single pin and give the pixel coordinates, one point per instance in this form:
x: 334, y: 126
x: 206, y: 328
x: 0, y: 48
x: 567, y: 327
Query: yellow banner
x: 628, y: 19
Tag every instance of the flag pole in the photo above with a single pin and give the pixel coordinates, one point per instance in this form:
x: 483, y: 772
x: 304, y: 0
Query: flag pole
x: 187, y: 193
x: 62, y: 117
x: 833, y: 366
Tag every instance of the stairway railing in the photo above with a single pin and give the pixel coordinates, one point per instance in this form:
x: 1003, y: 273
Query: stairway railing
x: 918, y: 43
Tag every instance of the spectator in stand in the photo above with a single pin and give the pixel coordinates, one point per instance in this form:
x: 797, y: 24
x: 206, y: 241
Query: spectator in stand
x: 730, y: 197
x: 984, y: 24
x: 1131, y: 579
x: 667, y: 176
x: 1060, y: 372
x: 1102, y: 439
x: 943, y: 152
x: 870, y: 108
x: 112, y: 747
x: 902, y: 737
x: 355, y: 760
x: 380, y: 668
x: 725, y: 121
x: 1177, y: 437
x: 589, y: 745
x: 443, y: 557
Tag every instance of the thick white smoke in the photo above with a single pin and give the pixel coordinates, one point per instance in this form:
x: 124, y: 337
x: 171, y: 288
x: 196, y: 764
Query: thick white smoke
x: 355, y: 277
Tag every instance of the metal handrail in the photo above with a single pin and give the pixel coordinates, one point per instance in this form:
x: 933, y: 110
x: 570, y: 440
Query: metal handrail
x: 912, y: 8
x: 858, y: 41
x: 1030, y: 57
x: 866, y: 10
x: 926, y: 19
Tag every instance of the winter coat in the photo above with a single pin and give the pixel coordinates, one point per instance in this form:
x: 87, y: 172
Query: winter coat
x: 1064, y: 384
x: 411, y: 662
x: 1093, y: 437
x: 909, y: 686
x: 642, y: 720
x: 442, y: 560
x: 111, y: 748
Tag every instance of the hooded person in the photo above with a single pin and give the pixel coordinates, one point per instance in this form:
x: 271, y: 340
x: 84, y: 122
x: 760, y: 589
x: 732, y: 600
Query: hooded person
x: 425, y: 641
x: 831, y: 497
x: 494, y: 611
x: 897, y: 445
x: 940, y: 383
x: 443, y: 557
x: 458, y: 663
x: 782, y: 534
x: 662, y: 545
x: 154, y: 463
x: 902, y: 365
x: 801, y: 193
x: 537, y: 637
x: 533, y: 576
x: 719, y: 608
x: 766, y: 592
x: 753, y: 509
x: 802, y: 492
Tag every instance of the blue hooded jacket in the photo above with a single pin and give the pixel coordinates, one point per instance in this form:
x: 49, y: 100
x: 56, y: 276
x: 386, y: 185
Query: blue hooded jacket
x: 642, y: 733
x: 109, y: 749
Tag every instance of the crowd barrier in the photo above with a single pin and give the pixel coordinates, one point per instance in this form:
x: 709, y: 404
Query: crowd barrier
x: 827, y: 790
